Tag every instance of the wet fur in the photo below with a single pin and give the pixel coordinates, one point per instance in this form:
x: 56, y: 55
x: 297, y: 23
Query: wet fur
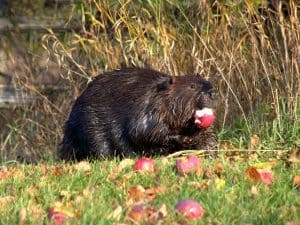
x: 137, y: 112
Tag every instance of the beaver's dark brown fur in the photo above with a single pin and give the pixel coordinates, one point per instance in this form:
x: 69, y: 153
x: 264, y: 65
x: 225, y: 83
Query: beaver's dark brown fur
x: 137, y: 112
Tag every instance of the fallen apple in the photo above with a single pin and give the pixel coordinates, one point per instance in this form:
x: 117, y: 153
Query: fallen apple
x: 144, y: 164
x: 138, y: 212
x: 204, y: 118
x: 267, y: 177
x: 56, y: 217
x: 189, y: 208
x: 188, y: 164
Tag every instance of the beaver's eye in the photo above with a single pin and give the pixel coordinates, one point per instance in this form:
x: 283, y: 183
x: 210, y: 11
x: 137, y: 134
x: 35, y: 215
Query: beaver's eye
x: 199, y: 99
x: 193, y: 86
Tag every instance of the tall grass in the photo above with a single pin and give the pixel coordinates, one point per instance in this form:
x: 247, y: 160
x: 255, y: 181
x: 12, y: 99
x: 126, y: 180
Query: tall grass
x: 250, y: 50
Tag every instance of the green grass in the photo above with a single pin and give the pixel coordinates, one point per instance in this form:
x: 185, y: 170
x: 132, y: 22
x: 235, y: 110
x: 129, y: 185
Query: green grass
x: 93, y: 195
x: 248, y: 49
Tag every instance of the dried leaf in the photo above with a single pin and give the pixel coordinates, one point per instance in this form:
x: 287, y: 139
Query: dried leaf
x: 140, y: 194
x: 297, y: 181
x: 22, y: 216
x: 152, y: 192
x: 157, y: 215
x: 293, y: 222
x: 219, y: 183
x: 254, y: 141
x: 32, y: 190
x: 116, y: 214
x: 83, y: 166
x: 36, y: 211
x: 138, y: 212
x: 254, y: 190
x: 125, y: 163
x: 120, y: 181
x: 294, y: 157
x: 265, y: 165
x: 204, y: 185
x: 253, y: 173
x: 219, y: 167
x: 228, y: 145
x: 163, y: 210
x: 44, y: 169
x: 5, y: 201
x: 136, y: 193
x: 5, y: 174
x: 57, y: 170
x: 208, y: 173
x: 88, y: 193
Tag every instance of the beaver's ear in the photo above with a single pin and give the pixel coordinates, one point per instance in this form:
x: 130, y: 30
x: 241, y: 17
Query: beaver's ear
x: 165, y: 84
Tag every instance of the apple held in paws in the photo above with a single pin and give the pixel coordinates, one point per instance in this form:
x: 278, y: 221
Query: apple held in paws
x: 204, y: 117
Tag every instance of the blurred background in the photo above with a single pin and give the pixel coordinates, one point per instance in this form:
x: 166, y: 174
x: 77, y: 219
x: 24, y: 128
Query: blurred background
x: 249, y: 50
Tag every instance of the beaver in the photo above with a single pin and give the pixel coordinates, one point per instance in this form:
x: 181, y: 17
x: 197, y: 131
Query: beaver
x: 138, y: 111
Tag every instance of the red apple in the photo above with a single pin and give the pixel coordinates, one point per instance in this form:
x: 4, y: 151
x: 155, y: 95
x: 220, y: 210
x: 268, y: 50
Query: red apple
x: 188, y: 164
x: 138, y: 212
x: 267, y: 177
x: 189, y: 208
x: 145, y: 164
x: 205, y: 117
x: 57, y: 218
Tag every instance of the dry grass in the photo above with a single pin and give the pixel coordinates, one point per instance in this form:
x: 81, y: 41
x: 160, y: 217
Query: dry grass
x: 250, y: 50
